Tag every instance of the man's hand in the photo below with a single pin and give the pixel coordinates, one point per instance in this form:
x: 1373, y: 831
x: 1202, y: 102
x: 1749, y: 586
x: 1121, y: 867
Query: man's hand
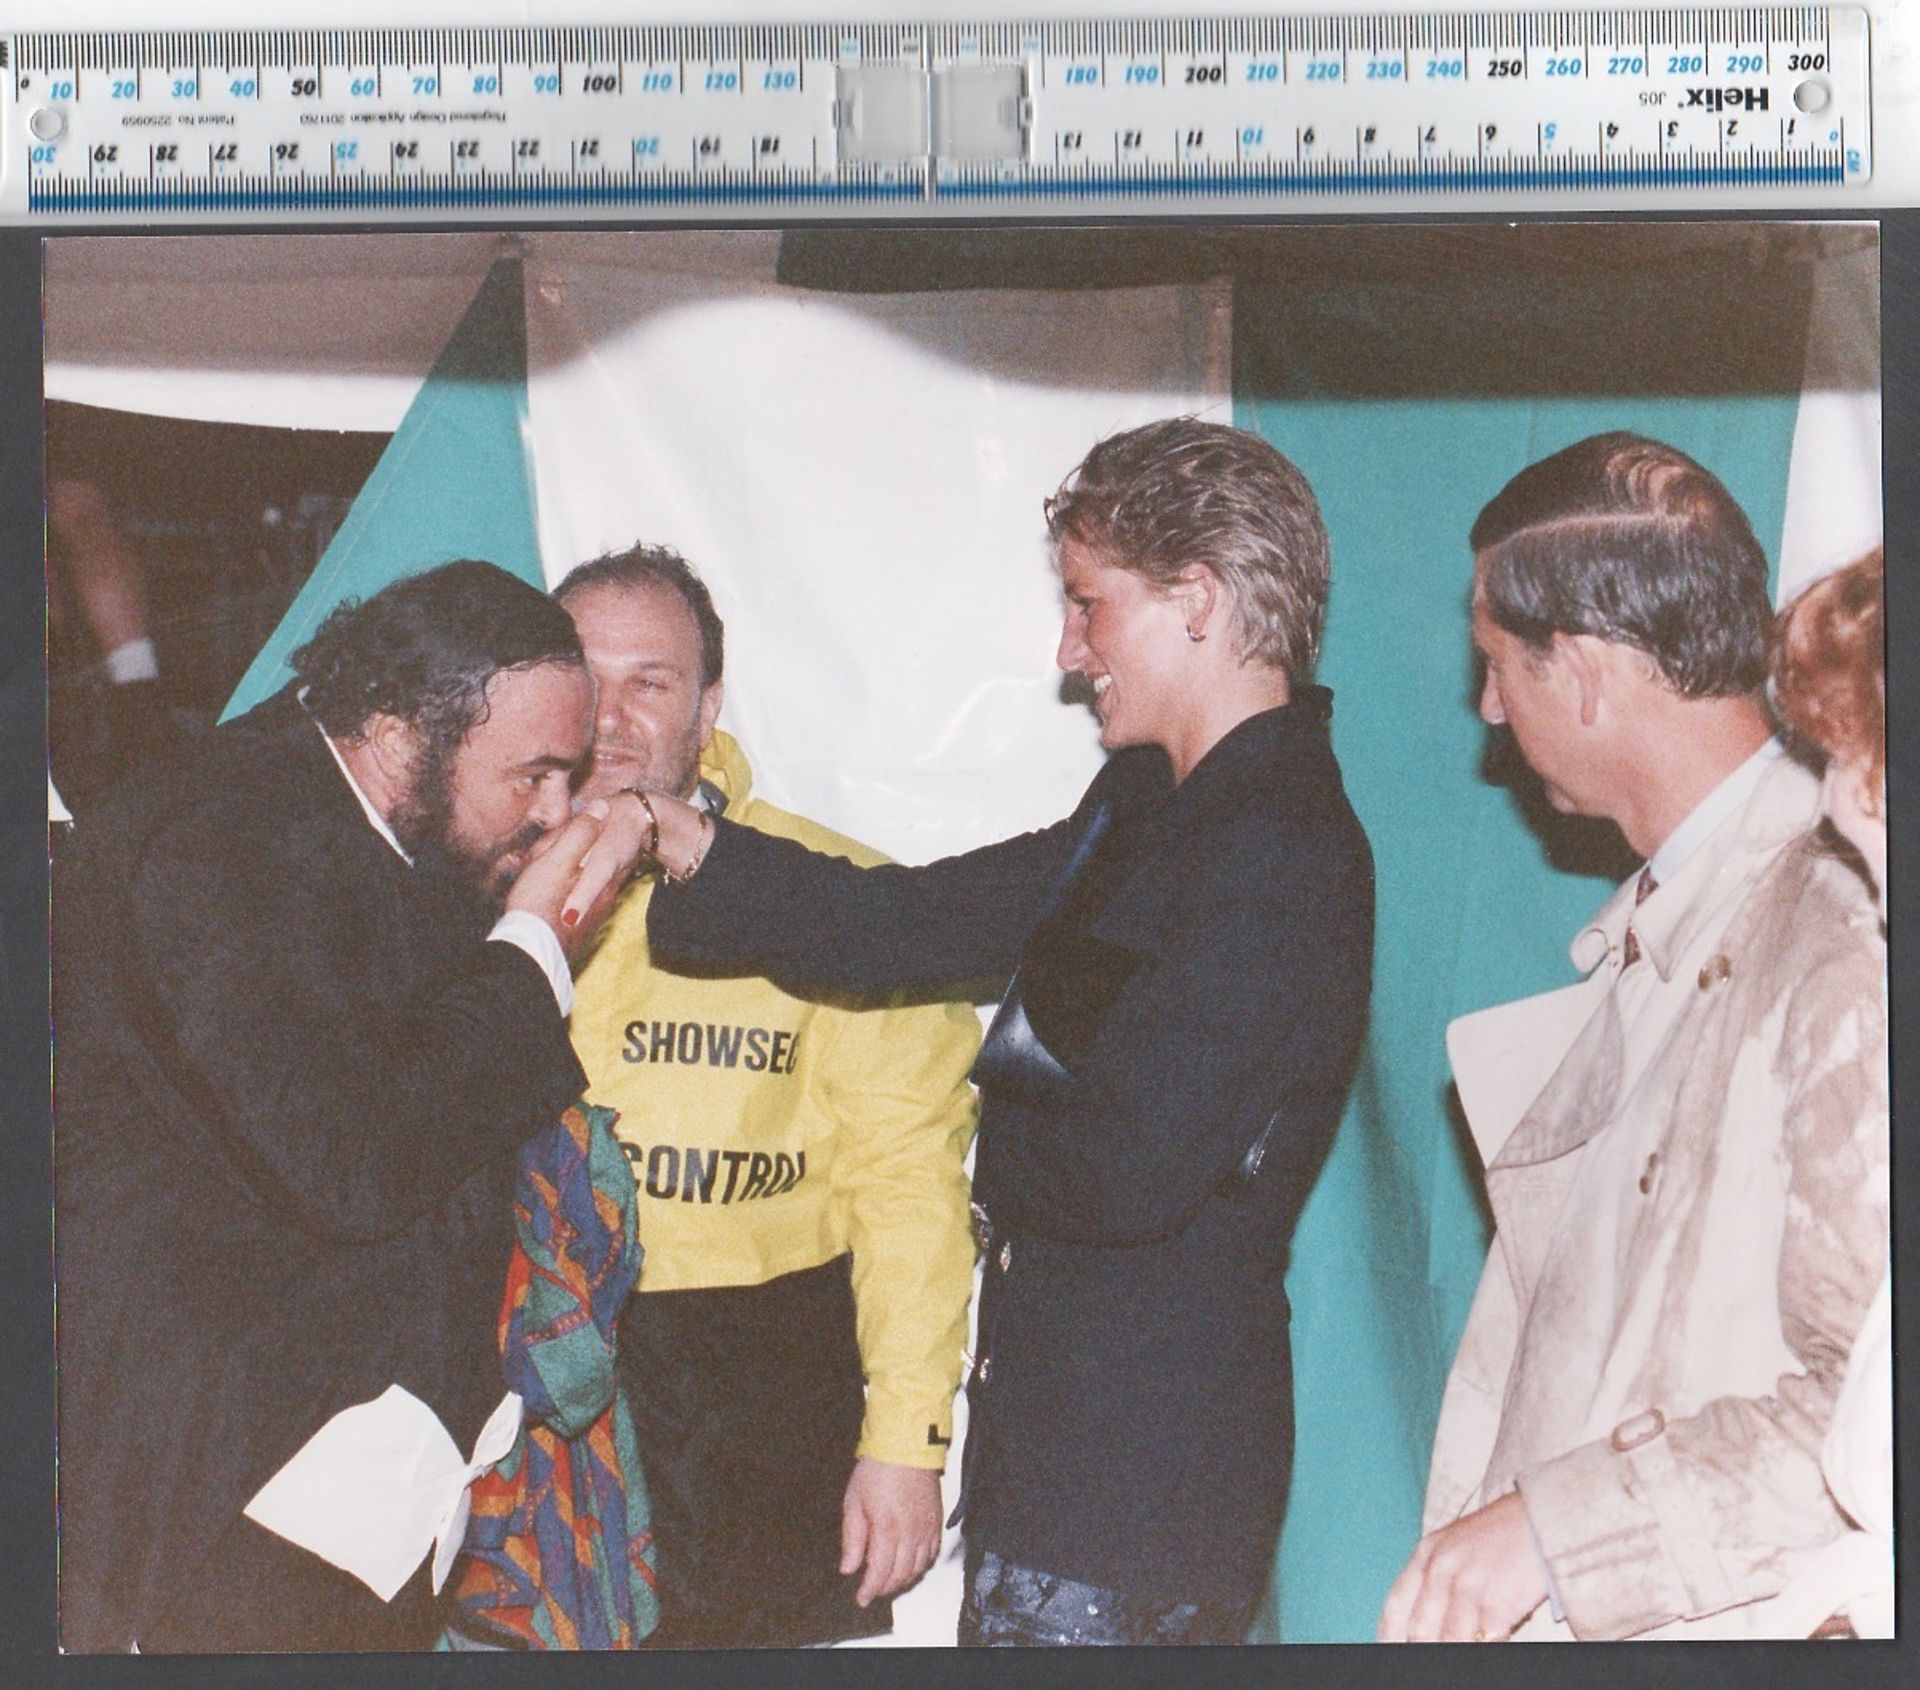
x: 1471, y: 1582
x: 890, y: 1522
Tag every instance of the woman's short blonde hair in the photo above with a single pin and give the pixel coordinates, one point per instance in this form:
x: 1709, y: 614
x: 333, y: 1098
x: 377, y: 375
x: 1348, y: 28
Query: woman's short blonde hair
x: 1155, y: 499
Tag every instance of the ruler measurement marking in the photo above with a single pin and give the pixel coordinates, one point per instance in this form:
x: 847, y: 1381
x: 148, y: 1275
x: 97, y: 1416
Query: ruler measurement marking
x: 1170, y: 61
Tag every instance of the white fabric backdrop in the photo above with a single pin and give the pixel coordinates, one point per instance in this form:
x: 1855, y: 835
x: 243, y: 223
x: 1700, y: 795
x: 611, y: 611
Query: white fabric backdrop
x: 859, y: 479
x: 1833, y: 477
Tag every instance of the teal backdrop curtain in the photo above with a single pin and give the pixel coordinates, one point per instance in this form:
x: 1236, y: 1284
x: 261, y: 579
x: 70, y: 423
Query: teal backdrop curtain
x: 1408, y: 409
x: 454, y: 482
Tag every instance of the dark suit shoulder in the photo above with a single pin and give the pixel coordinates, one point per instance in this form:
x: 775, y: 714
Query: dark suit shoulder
x: 265, y: 785
x: 1294, y: 809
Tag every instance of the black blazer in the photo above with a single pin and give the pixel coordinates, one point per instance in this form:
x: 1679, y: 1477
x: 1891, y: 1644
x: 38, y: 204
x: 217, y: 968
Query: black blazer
x: 290, y: 1081
x: 1205, y: 974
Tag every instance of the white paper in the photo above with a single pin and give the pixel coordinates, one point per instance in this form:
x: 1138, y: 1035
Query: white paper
x: 380, y: 1486
x: 495, y: 1440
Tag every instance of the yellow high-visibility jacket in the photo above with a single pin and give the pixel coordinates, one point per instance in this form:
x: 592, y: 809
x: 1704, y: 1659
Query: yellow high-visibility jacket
x: 770, y: 1133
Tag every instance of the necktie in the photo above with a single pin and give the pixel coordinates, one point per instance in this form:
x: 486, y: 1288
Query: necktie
x: 1630, y: 948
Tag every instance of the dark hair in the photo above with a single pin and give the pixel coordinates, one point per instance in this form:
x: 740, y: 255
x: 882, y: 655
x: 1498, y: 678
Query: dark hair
x: 1830, y: 664
x: 658, y: 566
x: 1631, y: 541
x: 1173, y: 493
x: 424, y: 649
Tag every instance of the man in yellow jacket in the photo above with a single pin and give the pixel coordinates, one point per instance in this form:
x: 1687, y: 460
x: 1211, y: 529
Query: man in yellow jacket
x: 802, y: 1199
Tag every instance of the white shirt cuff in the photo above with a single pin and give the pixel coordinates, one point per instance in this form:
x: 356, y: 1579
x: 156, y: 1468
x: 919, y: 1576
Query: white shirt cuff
x: 526, y: 930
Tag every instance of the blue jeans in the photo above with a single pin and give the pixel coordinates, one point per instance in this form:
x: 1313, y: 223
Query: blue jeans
x: 1010, y: 1606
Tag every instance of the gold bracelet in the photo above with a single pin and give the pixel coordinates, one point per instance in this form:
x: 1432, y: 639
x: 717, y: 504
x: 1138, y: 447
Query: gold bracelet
x: 653, y: 843
x: 699, y: 856
x: 653, y: 823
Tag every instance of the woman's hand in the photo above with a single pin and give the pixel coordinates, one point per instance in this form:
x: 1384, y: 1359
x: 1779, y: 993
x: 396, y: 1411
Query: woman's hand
x: 552, y: 875
x: 630, y: 839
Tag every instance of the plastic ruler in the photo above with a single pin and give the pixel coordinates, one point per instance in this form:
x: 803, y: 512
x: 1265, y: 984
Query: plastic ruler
x: 781, y: 120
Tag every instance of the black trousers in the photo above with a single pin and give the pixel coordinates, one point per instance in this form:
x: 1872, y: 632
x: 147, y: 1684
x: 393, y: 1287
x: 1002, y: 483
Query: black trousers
x: 748, y: 1402
x: 257, y: 1593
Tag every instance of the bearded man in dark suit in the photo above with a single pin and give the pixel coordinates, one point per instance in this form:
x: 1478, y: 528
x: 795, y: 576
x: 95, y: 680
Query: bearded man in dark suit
x: 311, y: 988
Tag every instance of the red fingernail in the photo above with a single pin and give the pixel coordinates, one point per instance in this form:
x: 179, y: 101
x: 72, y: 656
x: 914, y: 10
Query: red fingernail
x: 569, y: 917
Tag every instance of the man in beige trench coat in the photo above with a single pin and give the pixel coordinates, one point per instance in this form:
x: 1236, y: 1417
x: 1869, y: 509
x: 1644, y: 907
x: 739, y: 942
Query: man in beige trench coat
x: 1685, y: 1153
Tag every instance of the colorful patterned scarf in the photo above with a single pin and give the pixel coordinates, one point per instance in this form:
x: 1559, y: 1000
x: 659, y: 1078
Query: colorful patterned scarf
x: 559, y: 1554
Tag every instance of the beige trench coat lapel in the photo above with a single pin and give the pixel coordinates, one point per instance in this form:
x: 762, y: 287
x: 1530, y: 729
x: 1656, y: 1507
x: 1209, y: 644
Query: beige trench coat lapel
x: 1511, y: 1065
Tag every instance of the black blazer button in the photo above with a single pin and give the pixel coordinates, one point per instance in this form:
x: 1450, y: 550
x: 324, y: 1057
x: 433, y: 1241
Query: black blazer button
x: 982, y: 1226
